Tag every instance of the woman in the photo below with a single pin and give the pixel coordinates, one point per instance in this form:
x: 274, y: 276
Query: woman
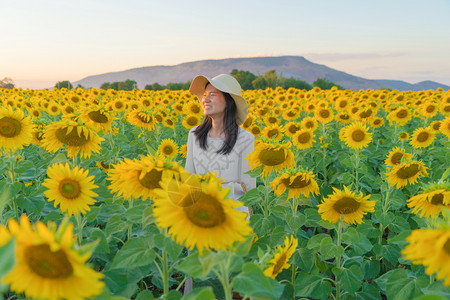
x: 219, y: 144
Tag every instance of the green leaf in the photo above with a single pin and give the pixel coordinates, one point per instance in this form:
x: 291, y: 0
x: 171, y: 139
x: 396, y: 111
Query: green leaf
x: 304, y: 259
x: 313, y: 286
x: 385, y: 219
x: 370, y: 269
x: 360, y: 243
x: 134, y: 214
x: 314, y: 242
x: 252, y: 197
x: 147, y: 217
x: 98, y: 234
x: 253, y: 283
x: 7, y: 257
x: 201, y: 293
x: 135, y: 252
x: 191, y: 266
x: 145, y: 295
x: 399, y: 285
x: 329, y: 250
x: 351, y: 278
x: 296, y: 222
x: 167, y: 244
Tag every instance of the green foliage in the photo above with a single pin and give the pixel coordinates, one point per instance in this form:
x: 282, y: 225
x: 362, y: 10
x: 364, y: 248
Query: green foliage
x: 170, y: 86
x: 126, y: 85
x: 245, y: 78
x: 325, y: 84
x: 64, y: 84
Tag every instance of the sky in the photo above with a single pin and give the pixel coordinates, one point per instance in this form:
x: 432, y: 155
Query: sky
x: 46, y: 41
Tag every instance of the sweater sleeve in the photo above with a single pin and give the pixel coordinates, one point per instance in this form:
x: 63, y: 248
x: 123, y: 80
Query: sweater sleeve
x: 249, y: 181
x: 189, y: 166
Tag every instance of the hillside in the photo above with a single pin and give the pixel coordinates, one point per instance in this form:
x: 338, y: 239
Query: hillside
x: 296, y: 66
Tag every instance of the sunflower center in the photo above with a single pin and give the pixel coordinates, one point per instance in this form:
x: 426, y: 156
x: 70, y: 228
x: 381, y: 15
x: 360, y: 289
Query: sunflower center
x: 144, y: 118
x: 366, y: 113
x: 298, y: 183
x: 291, y: 114
x: 205, y: 210
x: 272, y: 157
x: 376, y: 121
x: 430, y: 108
x: 324, y: 113
x: 39, y: 135
x: 342, y: 104
x: 358, y: 135
x: 423, y: 136
x: 408, y: 172
x: 309, y: 124
x: 72, y: 138
x: 98, y: 117
x: 346, y: 205
x: 151, y: 179
x: 47, y: 263
x: 272, y: 132
x: 69, y: 188
x: 293, y: 128
x: 279, y: 264
x: 437, y: 199
x: 304, y: 138
x: 192, y: 121
x: 447, y: 246
x: 168, y: 150
x: 436, y: 125
x: 402, y: 114
x: 9, y: 127
x: 195, y: 109
x: 396, y: 158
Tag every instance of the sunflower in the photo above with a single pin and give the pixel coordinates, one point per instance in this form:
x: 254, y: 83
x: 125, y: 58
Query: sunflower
x: 199, y: 214
x: 271, y: 120
x: 103, y: 165
x: 430, y: 248
x: 191, y: 121
x: 429, y: 110
x: 192, y: 108
x: 291, y: 128
x: 403, y: 136
x: 445, y: 127
x: 248, y: 121
x: 170, y: 122
x: 402, y: 115
x: 255, y: 130
x: 405, y: 173
x: 435, y: 126
x: 298, y: 183
x: 324, y: 115
x: 422, y: 138
x: 357, y: 136
x: 377, y: 122
x: 303, y: 139
x: 140, y: 177
x: 271, y: 157
x: 70, y: 188
x: 395, y: 157
x: 48, y: 266
x: 183, y: 150
x: 444, y: 109
x: 142, y: 118
x: 309, y: 123
x: 343, y: 117
x: 430, y: 202
x: 273, y: 132
x: 279, y: 262
x: 98, y: 119
x: 168, y: 148
x: 290, y: 114
x: 345, y: 203
x: 16, y: 130
x: 77, y: 138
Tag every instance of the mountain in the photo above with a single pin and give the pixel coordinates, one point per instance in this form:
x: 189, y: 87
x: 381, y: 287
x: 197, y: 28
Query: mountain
x: 295, y: 66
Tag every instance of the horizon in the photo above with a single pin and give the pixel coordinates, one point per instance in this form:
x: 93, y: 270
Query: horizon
x: 50, y: 41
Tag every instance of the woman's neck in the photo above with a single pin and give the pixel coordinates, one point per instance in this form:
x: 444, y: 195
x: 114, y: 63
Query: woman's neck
x: 217, y: 129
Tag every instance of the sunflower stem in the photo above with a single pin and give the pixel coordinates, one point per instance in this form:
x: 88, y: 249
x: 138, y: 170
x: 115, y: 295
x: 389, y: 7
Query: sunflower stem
x: 12, y: 173
x: 294, y: 273
x: 338, y: 258
x: 266, y: 197
x: 325, y: 175
x: 165, y: 274
x: 357, y: 159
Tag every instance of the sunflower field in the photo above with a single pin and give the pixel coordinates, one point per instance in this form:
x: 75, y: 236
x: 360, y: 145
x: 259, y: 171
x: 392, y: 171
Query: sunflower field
x: 351, y: 200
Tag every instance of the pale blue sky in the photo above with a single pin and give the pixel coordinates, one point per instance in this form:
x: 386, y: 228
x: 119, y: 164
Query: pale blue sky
x: 44, y: 41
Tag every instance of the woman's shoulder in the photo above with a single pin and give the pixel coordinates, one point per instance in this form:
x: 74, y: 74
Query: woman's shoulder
x: 191, y: 131
x: 246, y: 135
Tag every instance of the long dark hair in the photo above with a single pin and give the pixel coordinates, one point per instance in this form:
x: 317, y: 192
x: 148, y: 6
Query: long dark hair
x: 230, y: 126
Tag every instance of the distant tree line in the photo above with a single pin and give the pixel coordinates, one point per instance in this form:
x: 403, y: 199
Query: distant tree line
x: 247, y: 80
x: 6, y: 83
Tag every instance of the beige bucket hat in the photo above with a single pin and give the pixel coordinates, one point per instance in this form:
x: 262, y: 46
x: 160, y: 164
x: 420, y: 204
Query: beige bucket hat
x: 224, y: 83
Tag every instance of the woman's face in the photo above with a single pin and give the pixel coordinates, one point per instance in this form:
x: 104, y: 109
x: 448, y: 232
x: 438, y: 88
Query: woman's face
x: 213, y: 102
